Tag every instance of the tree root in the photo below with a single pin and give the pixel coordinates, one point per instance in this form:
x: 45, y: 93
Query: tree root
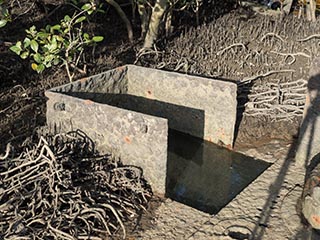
x: 231, y: 46
x: 250, y: 79
x: 273, y: 35
x: 309, y: 38
x: 60, y: 188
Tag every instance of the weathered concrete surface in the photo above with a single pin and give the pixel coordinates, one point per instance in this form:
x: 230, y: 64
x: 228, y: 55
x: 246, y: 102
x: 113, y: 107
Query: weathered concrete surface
x: 266, y: 209
x: 212, y: 103
x: 138, y: 139
x: 309, y: 132
x: 127, y: 111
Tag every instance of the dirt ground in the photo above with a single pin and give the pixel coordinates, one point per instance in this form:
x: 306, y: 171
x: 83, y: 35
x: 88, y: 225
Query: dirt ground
x: 241, y: 45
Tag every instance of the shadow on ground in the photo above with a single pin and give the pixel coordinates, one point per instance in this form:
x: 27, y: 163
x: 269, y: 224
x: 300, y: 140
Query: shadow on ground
x: 305, y: 145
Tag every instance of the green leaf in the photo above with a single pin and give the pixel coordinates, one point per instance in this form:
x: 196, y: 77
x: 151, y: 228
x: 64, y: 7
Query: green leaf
x: 24, y: 55
x: 59, y: 38
x: 32, y: 31
x: 19, y: 44
x: 17, y: 50
x: 45, y: 48
x: 53, y: 44
x: 37, y: 58
x: 80, y: 19
x: 47, y: 29
x: 86, y: 36
x: 101, y: 11
x: 40, y: 68
x: 56, y: 27
x: 56, y: 61
x: 67, y: 18
x: 3, y: 22
x: 43, y: 35
x: 26, y: 42
x: 48, y: 64
x: 97, y: 38
x: 86, y: 6
x: 5, y: 12
x: 34, y: 45
x: 49, y: 58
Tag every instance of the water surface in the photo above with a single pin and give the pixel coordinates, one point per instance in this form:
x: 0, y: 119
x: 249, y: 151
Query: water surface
x: 206, y: 176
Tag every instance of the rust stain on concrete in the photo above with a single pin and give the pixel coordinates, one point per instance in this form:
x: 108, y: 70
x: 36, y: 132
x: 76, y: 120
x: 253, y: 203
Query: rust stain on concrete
x: 83, y: 79
x: 316, y: 219
x: 149, y: 94
x: 120, y: 68
x: 88, y: 102
x: 127, y: 139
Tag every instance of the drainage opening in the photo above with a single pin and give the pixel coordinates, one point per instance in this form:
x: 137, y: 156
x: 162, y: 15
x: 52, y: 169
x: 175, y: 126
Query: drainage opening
x: 206, y: 176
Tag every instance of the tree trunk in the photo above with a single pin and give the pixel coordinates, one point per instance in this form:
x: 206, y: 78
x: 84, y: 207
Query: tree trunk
x: 287, y: 4
x: 168, y: 26
x: 155, y: 20
x: 144, y: 17
x: 311, y: 197
x: 313, y: 10
x: 123, y: 17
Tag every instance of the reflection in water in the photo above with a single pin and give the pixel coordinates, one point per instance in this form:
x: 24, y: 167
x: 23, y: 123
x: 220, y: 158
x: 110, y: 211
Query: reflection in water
x: 205, y: 176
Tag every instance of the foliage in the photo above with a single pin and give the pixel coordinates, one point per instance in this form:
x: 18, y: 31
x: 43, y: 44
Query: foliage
x: 62, y: 43
x: 5, y: 16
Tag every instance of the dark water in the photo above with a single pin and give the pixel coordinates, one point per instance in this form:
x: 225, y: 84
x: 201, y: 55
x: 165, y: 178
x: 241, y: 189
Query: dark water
x: 205, y: 176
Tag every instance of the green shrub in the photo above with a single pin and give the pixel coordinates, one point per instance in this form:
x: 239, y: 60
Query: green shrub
x: 61, y: 44
x: 5, y: 16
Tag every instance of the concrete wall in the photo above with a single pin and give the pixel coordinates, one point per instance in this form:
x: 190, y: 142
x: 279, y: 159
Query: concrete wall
x: 125, y: 111
x: 138, y: 139
x: 114, y: 81
x: 202, y: 107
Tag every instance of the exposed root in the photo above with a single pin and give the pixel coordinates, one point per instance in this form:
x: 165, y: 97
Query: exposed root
x: 250, y: 79
x: 282, y: 101
x: 231, y: 46
x: 309, y: 38
x: 273, y: 35
x: 6, y: 155
x: 60, y: 188
x: 292, y: 55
